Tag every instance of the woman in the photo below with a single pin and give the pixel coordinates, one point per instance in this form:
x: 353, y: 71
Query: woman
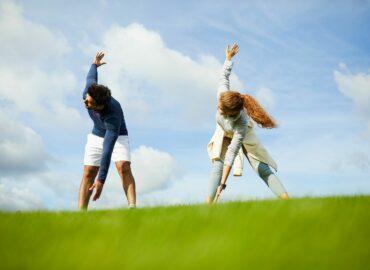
x: 234, y: 137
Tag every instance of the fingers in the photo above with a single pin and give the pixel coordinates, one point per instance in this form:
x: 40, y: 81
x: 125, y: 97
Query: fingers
x: 97, y: 193
x: 98, y: 189
x: 99, y: 55
x: 92, y: 187
x: 231, y: 50
x: 235, y: 48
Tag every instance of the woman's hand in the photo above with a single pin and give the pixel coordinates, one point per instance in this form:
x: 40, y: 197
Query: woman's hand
x: 231, y: 51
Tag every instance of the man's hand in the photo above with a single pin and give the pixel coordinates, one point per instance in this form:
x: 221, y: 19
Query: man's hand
x: 231, y: 51
x: 97, y: 60
x: 99, y: 188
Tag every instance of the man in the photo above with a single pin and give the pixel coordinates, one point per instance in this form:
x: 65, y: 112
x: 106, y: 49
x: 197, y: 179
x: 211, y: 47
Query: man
x: 109, y: 140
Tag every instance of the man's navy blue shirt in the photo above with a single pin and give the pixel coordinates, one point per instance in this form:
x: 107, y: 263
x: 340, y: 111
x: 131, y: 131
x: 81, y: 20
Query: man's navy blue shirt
x: 109, y: 123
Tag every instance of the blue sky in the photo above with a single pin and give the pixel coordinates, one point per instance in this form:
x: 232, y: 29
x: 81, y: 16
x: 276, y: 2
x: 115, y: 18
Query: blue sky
x: 307, y: 63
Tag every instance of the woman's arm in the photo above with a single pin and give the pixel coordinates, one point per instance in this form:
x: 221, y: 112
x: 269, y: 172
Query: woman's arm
x: 232, y: 151
x: 224, y: 82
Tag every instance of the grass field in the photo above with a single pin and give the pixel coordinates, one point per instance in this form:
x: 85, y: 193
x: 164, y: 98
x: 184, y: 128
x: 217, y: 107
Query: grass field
x: 320, y: 233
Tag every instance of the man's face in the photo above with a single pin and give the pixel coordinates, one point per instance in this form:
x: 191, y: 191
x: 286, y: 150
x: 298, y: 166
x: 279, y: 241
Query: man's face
x: 89, y: 102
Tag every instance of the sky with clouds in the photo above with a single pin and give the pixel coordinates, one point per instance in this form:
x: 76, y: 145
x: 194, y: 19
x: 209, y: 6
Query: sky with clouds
x: 308, y: 63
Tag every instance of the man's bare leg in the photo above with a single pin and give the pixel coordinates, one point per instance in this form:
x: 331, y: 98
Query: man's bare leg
x: 88, y: 178
x: 128, y: 182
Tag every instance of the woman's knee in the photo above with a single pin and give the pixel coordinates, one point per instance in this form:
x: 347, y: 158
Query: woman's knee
x: 264, y: 170
x: 217, y: 166
x: 215, y: 178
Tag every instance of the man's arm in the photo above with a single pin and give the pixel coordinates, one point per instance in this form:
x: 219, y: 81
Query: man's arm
x: 110, y: 139
x: 92, y: 75
x: 112, y: 125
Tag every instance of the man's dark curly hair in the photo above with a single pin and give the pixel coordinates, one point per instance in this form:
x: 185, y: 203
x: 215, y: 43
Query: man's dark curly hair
x: 100, y: 93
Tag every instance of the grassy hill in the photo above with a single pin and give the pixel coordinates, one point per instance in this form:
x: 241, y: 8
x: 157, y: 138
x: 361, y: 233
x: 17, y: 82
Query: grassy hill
x: 320, y: 233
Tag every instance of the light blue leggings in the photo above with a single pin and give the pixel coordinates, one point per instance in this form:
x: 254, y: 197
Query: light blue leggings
x: 263, y: 170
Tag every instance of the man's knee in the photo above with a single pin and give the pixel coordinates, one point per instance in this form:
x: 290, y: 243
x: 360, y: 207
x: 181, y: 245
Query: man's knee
x: 90, y: 172
x: 124, y: 167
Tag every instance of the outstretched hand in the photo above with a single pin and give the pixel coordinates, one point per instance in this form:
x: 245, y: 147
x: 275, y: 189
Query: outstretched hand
x: 99, y: 188
x: 98, y: 59
x: 231, y: 51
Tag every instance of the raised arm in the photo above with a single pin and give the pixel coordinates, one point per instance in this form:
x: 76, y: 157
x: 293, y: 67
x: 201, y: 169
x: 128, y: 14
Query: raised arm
x: 224, y: 82
x: 92, y: 75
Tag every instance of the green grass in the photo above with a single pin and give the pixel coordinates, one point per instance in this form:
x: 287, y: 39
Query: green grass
x: 321, y: 233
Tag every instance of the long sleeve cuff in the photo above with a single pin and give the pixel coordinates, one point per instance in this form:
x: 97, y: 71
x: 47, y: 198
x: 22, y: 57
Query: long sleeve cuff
x: 228, y: 63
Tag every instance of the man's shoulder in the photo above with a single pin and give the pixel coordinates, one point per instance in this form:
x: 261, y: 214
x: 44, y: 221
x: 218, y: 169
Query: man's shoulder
x: 113, y: 108
x: 114, y: 104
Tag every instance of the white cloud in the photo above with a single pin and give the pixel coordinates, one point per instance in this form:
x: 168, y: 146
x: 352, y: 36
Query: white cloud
x: 51, y: 190
x: 354, y: 86
x: 266, y: 97
x: 357, y: 88
x: 35, y: 86
x: 26, y: 77
x: 21, y: 149
x: 40, y: 93
x: 13, y: 198
x: 26, y: 41
x: 153, y: 169
x: 158, y: 84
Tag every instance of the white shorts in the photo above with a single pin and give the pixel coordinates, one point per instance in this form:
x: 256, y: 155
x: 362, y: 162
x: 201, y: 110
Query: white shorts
x: 94, y: 150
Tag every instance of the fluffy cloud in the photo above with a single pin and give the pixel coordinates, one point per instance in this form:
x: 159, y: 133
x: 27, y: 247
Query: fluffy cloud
x: 153, y: 169
x: 14, y: 198
x: 356, y: 87
x: 156, y: 82
x: 38, y: 89
x: 25, y: 41
x: 21, y: 149
x: 26, y: 78
x: 39, y: 190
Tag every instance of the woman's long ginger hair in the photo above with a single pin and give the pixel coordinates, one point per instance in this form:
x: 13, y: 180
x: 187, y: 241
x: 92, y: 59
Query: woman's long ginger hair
x: 232, y: 102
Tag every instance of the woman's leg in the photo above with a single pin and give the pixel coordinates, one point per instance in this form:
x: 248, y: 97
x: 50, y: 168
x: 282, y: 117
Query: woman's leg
x: 268, y: 176
x: 214, y: 180
x: 216, y: 174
